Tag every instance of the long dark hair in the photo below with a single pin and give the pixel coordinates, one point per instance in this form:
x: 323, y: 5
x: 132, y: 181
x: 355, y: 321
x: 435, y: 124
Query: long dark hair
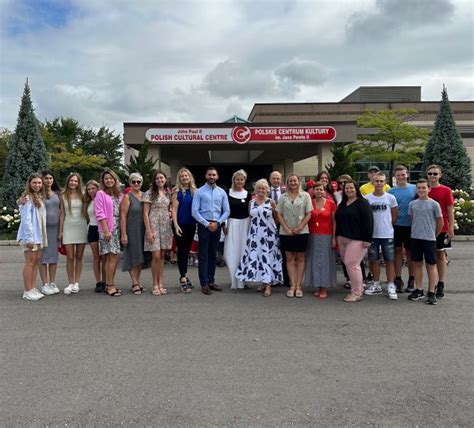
x: 154, y: 188
x: 55, y: 186
x: 328, y: 188
x: 344, y: 196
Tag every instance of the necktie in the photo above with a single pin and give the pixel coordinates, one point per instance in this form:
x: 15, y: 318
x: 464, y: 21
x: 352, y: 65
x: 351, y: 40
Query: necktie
x: 275, y: 194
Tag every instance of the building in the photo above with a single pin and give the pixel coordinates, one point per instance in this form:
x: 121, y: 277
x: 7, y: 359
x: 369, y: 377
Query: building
x: 272, y: 137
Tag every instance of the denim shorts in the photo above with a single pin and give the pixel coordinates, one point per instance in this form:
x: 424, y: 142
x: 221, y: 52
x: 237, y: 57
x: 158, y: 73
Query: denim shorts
x: 388, y: 249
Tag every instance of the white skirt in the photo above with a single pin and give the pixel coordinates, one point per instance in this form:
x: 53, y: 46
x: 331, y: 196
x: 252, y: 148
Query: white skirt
x: 234, y: 246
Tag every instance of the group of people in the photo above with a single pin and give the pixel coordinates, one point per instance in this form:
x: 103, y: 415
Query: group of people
x: 277, y: 234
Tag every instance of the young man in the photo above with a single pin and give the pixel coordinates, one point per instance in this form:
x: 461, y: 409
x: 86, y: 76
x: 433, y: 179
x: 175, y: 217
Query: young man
x: 210, y: 209
x: 444, y: 196
x: 404, y: 192
x: 369, y: 187
x: 384, y: 208
x: 426, y: 224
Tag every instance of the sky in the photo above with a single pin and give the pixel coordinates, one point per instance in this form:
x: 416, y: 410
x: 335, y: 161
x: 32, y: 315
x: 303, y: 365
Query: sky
x: 106, y: 62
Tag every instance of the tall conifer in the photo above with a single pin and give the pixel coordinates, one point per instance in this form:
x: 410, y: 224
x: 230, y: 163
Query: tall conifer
x: 446, y: 149
x: 27, y: 152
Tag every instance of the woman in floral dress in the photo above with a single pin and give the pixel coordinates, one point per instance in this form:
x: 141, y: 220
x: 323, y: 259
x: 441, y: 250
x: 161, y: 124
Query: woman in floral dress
x: 159, y: 235
x: 261, y: 261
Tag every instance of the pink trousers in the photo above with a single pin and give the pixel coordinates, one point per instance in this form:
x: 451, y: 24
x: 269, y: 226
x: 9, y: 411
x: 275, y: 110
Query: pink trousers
x: 352, y: 253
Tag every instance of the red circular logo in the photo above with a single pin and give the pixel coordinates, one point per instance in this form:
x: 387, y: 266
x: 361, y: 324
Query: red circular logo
x: 241, y: 134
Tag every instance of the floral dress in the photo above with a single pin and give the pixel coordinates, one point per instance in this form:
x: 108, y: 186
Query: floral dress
x: 160, y: 222
x: 113, y: 246
x: 261, y: 261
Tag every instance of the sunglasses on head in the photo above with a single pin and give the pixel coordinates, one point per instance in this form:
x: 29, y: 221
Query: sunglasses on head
x: 136, y: 182
x: 342, y: 182
x: 433, y: 173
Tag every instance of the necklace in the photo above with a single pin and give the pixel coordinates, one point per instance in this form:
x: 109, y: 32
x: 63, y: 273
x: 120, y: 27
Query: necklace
x: 318, y: 210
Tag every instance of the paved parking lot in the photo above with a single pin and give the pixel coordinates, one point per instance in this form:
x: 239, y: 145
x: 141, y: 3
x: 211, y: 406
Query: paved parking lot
x: 233, y: 358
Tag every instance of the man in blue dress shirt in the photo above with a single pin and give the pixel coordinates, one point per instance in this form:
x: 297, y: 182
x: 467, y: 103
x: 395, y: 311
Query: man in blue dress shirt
x: 210, y: 209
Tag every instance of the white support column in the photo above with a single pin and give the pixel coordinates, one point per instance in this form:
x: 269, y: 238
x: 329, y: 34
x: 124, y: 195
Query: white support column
x: 174, y: 167
x: 324, y: 155
x: 288, y: 167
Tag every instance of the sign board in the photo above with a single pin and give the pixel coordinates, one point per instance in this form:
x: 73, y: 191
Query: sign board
x: 241, y: 134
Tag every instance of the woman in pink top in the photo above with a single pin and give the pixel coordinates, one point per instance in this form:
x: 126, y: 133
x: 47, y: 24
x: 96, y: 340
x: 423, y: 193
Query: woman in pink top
x: 107, y: 212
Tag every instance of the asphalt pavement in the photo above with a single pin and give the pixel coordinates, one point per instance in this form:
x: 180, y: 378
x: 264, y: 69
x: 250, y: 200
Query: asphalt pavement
x: 234, y: 358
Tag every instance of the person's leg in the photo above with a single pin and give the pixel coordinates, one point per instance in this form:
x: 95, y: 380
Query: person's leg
x: 181, y: 254
x: 96, y: 261
x: 442, y: 265
x: 79, y: 255
x: 354, y: 252
x: 155, y: 267
x: 70, y: 263
x: 291, y: 268
x: 203, y: 254
x: 43, y: 271
x: 161, y: 268
x: 112, y: 261
x: 212, y: 254
x: 52, y: 269
x: 300, y: 266
x: 419, y: 275
x: 374, y: 263
x: 28, y: 270
x: 432, y: 272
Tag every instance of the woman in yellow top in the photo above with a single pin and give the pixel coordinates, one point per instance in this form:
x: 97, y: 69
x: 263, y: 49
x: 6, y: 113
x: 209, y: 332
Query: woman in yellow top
x: 294, y: 211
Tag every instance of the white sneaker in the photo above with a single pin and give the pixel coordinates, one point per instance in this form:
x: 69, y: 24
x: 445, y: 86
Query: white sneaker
x: 33, y: 294
x: 373, y: 289
x: 75, y: 288
x: 392, y: 291
x: 68, y: 289
x: 54, y: 287
x: 47, y: 289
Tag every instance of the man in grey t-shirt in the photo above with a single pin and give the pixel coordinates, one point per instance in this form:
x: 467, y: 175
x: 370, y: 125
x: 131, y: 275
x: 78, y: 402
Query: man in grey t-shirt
x: 426, y: 224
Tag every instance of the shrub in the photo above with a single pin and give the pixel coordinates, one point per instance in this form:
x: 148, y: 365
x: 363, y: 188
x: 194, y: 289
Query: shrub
x: 463, y: 213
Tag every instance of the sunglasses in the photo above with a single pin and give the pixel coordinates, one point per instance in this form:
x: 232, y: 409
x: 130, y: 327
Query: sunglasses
x: 433, y: 173
x: 136, y: 182
x: 379, y: 181
x: 342, y: 182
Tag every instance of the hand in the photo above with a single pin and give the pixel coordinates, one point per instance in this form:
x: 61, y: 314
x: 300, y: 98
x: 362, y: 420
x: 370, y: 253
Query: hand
x: 450, y: 234
x: 107, y: 236
x: 212, y: 226
x: 150, y: 238
x: 366, y: 244
x: 60, y: 236
x: 225, y: 230
x: 274, y: 206
x: 334, y: 243
x: 288, y: 231
x: 296, y: 230
x: 178, y: 230
x: 21, y: 200
x: 30, y: 245
x: 124, y: 240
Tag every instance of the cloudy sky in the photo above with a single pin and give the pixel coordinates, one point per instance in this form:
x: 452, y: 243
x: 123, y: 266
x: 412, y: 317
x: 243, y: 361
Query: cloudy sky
x: 113, y: 61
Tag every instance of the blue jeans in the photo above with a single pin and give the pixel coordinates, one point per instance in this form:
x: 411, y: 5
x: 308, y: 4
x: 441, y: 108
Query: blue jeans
x: 387, y: 247
x: 208, y: 243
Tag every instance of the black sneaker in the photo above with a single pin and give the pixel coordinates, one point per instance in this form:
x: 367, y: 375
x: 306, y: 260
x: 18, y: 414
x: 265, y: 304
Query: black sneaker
x: 439, y: 291
x: 399, y: 284
x: 431, y: 299
x: 99, y: 287
x: 410, y: 286
x: 416, y: 294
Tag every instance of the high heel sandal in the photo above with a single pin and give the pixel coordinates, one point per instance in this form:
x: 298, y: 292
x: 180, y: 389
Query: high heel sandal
x: 112, y: 291
x: 137, y: 289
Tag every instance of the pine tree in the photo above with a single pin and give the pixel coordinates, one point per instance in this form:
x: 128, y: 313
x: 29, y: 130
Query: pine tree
x: 344, y: 157
x: 27, y: 152
x: 446, y: 149
x: 143, y: 164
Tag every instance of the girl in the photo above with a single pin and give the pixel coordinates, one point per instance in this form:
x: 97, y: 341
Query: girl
x: 32, y: 234
x: 73, y: 230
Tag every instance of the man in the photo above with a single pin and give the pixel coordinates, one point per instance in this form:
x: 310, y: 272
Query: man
x: 384, y: 208
x: 276, y: 190
x: 210, y: 209
x: 444, y: 196
x: 426, y: 224
x: 369, y: 187
x: 404, y: 192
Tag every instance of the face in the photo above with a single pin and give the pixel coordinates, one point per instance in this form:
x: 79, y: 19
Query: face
x: 136, y: 183
x: 371, y: 174
x: 211, y: 176
x: 434, y: 174
x: 318, y: 192
x: 48, y: 180
x: 341, y: 183
x: 73, y: 182
x: 92, y: 190
x: 422, y: 190
x: 239, y: 181
x: 324, y: 178
x: 379, y: 182
x: 350, y: 190
x: 184, y: 177
x: 275, y: 179
x: 293, y: 182
x: 36, y: 184
x: 109, y: 181
x: 261, y: 191
x: 401, y: 176
x: 160, y: 180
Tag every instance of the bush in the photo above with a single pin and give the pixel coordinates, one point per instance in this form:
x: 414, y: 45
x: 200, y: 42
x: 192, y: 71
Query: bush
x: 9, y: 223
x: 463, y: 213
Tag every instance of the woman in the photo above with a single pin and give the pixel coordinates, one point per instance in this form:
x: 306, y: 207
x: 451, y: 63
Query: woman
x: 49, y: 256
x: 184, y: 223
x: 92, y: 187
x: 73, y: 230
x: 107, y: 212
x: 320, y: 258
x: 261, y: 260
x: 159, y: 235
x: 354, y: 224
x: 133, y: 232
x: 32, y: 234
x: 237, y: 226
x: 294, y: 211
x: 325, y: 178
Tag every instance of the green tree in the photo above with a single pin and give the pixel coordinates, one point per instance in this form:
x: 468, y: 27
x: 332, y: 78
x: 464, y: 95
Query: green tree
x: 446, y: 149
x: 143, y: 164
x: 27, y: 152
x: 6, y: 137
x: 344, y: 157
x: 393, y: 140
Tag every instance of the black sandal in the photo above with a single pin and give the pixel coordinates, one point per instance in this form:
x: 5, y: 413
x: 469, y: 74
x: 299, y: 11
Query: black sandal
x: 137, y: 289
x: 109, y: 292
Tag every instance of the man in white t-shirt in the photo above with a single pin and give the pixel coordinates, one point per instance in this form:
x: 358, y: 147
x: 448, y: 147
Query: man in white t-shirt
x: 384, y: 208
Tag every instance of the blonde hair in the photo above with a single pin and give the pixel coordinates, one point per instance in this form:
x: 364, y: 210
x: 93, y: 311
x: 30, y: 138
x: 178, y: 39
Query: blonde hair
x: 87, y: 198
x: 35, y: 197
x: 239, y: 173
x: 134, y: 176
x: 179, y: 186
x: 67, y: 191
x: 261, y: 183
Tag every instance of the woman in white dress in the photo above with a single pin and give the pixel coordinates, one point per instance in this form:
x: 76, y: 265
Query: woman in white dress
x: 237, y: 226
x: 74, y: 230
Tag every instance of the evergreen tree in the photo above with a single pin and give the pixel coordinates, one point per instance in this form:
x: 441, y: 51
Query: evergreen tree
x: 344, y: 157
x: 27, y: 152
x: 143, y: 164
x: 446, y: 149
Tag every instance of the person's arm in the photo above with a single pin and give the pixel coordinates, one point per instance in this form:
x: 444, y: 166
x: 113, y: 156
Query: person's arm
x: 124, y: 207
x: 146, y: 220
x: 439, y: 225
x: 394, y: 212
x: 308, y: 207
x: 225, y: 209
x: 174, y: 212
x: 195, y: 209
x: 333, y: 220
x: 26, y: 212
x: 61, y: 219
x: 101, y: 215
x: 450, y: 210
x: 367, y: 222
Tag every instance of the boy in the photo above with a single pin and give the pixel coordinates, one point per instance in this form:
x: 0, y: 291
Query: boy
x: 426, y: 224
x: 384, y: 208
